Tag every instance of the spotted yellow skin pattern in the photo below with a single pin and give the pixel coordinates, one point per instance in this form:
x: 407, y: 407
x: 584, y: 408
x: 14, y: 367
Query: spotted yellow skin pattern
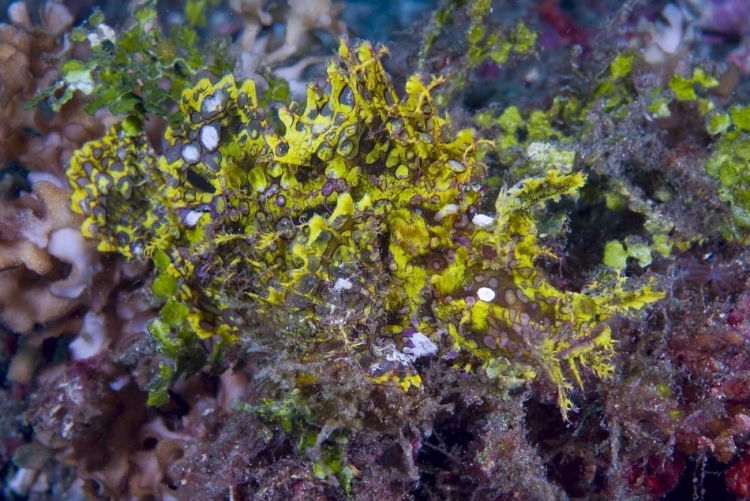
x: 352, y: 217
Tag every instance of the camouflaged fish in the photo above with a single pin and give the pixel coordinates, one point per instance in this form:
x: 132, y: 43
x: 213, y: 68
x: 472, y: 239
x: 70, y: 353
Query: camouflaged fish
x: 359, y: 215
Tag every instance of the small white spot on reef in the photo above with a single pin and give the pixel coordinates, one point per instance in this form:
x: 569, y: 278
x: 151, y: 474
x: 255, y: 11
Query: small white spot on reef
x: 486, y: 294
x: 192, y: 218
x: 209, y: 137
x: 213, y: 104
x: 103, y: 33
x: 396, y: 356
x: 423, y: 347
x: 456, y: 166
x: 483, y: 220
x: 119, y: 383
x: 447, y: 210
x: 190, y: 153
x: 91, y: 340
x: 342, y: 284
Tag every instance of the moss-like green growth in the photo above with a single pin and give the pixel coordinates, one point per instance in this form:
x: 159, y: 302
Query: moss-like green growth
x: 325, y: 447
x: 483, y: 40
x: 486, y: 43
x: 195, y: 11
x: 616, y: 253
x: 621, y: 66
x: 728, y: 164
x: 357, y: 217
x: 685, y: 88
x: 137, y: 72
